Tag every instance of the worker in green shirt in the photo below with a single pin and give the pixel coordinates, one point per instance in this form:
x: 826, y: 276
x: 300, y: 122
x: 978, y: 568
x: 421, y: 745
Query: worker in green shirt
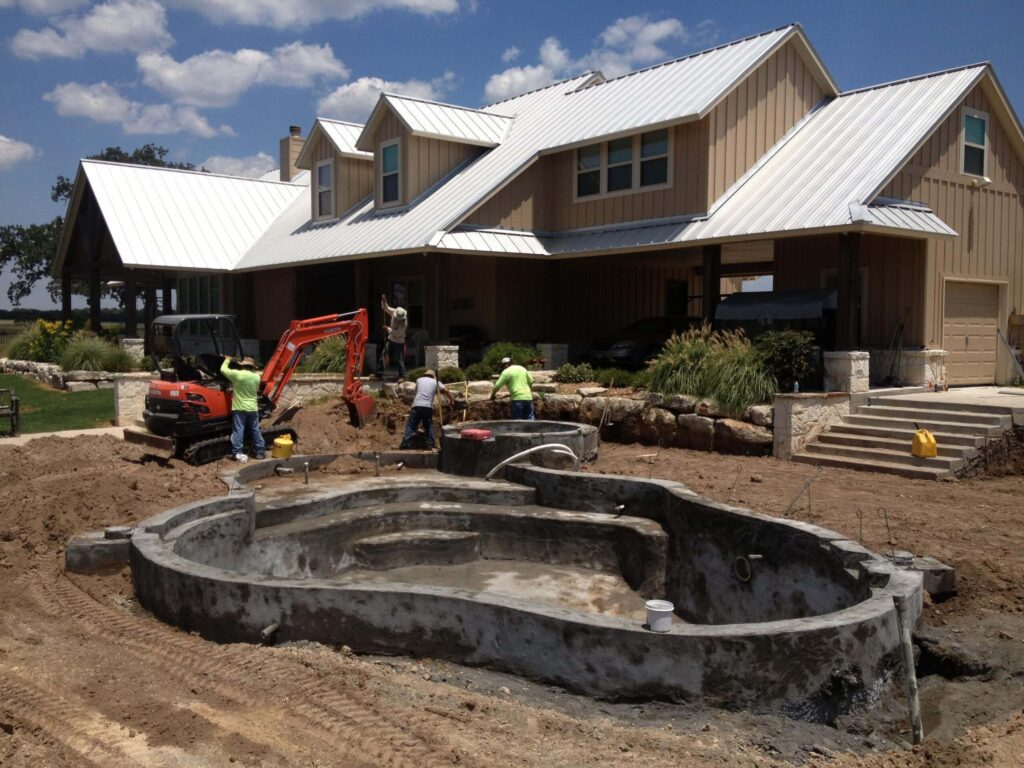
x: 518, y: 380
x: 245, y: 413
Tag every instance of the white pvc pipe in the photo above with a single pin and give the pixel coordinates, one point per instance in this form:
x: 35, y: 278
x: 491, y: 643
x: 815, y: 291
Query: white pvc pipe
x: 555, y: 447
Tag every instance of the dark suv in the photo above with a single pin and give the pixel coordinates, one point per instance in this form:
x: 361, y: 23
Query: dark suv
x: 638, y: 342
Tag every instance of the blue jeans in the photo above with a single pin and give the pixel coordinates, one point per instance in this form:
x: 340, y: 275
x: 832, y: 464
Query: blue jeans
x: 521, y: 409
x: 419, y: 415
x: 242, y: 422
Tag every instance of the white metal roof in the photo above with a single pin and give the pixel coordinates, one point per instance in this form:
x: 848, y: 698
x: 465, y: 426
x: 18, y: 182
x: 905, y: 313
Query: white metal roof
x: 341, y: 134
x: 162, y: 217
x: 435, y: 120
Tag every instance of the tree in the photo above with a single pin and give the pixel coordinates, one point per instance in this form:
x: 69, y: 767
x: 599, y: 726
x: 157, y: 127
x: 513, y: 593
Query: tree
x: 27, y: 253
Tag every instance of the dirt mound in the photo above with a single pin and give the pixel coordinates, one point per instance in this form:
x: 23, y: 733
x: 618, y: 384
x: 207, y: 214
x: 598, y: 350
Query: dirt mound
x: 325, y: 428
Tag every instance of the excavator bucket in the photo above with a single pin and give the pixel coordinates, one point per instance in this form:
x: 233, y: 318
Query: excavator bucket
x: 360, y: 409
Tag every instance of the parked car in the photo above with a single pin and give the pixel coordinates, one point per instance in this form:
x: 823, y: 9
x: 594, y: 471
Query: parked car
x: 638, y: 342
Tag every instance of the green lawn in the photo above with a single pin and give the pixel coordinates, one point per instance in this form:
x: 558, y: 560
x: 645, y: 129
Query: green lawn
x: 49, y: 410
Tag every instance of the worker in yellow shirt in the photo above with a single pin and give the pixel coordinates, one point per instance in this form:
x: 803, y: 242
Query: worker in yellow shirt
x: 518, y: 380
x: 245, y: 412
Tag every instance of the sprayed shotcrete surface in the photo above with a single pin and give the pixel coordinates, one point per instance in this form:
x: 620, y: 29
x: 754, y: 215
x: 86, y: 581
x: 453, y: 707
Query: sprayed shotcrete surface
x: 543, y: 575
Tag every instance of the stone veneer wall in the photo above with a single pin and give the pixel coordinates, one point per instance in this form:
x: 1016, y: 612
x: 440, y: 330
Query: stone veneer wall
x: 799, y: 417
x: 914, y: 368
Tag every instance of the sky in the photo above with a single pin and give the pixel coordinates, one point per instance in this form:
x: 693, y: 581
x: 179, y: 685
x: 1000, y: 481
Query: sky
x: 218, y: 82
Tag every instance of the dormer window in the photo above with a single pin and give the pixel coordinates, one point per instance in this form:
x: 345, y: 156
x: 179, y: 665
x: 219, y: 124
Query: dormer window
x: 390, y: 178
x: 975, y: 142
x: 629, y: 164
x: 325, y: 189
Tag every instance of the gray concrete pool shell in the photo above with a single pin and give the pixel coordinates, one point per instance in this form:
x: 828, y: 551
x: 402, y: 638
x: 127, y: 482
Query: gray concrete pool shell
x: 475, y: 458
x: 772, y: 614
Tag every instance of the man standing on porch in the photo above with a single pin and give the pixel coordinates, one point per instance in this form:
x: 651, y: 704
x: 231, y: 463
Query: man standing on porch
x: 518, y: 380
x: 399, y: 323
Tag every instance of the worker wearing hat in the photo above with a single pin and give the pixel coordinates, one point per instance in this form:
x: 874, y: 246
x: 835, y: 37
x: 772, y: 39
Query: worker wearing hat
x: 427, y: 387
x: 399, y: 320
x: 519, y: 381
x: 245, y: 412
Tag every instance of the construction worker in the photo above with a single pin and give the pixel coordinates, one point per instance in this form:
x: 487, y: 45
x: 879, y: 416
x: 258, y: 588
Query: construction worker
x: 427, y: 387
x: 518, y: 380
x: 399, y: 324
x: 245, y: 414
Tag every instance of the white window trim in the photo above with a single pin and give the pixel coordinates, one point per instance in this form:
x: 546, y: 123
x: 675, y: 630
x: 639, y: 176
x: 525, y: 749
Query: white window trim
x: 380, y: 174
x: 636, y: 188
x: 317, y: 216
x: 964, y: 113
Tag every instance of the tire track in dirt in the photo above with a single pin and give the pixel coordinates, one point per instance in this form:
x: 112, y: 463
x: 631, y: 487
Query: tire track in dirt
x: 405, y: 738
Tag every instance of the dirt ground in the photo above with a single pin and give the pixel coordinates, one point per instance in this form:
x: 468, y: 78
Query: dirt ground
x: 89, y: 679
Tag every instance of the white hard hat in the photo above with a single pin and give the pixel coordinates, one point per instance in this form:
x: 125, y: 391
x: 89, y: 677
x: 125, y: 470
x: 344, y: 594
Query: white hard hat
x: 506, y: 360
x: 399, y: 311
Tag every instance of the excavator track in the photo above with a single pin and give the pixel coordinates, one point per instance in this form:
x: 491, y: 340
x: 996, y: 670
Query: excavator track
x: 214, y: 448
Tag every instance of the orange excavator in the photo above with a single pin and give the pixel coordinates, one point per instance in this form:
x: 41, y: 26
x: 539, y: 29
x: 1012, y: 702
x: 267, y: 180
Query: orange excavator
x: 188, y: 409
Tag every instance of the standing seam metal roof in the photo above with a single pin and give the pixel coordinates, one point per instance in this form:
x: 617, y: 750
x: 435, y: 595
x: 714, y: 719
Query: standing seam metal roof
x: 447, y: 121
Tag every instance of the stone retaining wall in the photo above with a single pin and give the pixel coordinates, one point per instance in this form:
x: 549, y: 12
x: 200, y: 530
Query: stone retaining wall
x: 800, y: 417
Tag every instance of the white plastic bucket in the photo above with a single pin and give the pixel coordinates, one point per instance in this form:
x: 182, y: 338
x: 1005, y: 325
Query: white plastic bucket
x: 659, y: 615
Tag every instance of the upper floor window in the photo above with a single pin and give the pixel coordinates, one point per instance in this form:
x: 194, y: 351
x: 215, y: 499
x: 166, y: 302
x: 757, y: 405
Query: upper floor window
x: 325, y: 189
x: 975, y: 142
x: 390, y: 181
x: 623, y: 165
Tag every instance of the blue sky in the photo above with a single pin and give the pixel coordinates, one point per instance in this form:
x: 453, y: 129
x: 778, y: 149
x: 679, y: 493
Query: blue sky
x: 218, y: 82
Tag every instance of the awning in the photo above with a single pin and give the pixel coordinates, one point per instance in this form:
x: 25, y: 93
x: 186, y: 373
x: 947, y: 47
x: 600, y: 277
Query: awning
x: 767, y: 306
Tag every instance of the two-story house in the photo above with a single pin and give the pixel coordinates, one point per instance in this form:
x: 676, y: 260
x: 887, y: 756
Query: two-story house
x: 563, y: 214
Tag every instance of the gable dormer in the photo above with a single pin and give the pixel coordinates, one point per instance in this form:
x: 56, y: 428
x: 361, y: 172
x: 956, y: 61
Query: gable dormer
x: 340, y: 174
x: 415, y: 143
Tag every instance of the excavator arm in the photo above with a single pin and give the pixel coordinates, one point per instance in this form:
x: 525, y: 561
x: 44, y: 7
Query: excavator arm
x: 355, y: 326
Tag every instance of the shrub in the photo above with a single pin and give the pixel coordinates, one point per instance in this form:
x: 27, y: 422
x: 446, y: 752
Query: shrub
x: 53, y: 337
x: 642, y: 379
x: 450, y: 374
x: 736, y: 375
x: 679, y: 369
x: 520, y: 354
x: 414, y: 373
x: 791, y: 356
x: 574, y: 374
x: 614, y: 377
x: 84, y: 353
x: 21, y: 345
x: 117, y: 360
x: 329, y: 356
x: 478, y: 372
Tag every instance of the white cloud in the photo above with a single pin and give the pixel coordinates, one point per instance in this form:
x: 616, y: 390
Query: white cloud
x: 510, y: 54
x: 118, y: 25
x: 629, y: 43
x: 217, y: 78
x: 302, y: 13
x: 43, y: 7
x: 13, y: 152
x: 355, y: 100
x: 251, y: 167
x: 104, y: 104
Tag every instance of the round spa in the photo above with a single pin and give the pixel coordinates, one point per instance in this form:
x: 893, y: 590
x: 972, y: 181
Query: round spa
x: 464, y: 455
x: 544, y: 574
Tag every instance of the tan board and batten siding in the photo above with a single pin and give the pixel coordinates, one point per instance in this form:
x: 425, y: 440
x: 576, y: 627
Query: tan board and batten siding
x: 707, y: 157
x: 353, y: 179
x: 990, y: 221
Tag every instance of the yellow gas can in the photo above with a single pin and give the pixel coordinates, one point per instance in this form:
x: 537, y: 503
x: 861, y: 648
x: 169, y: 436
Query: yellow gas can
x: 924, y: 445
x: 283, y: 447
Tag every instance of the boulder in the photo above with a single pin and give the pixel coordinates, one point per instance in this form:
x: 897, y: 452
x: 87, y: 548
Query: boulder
x: 81, y: 375
x: 659, y: 426
x: 619, y: 408
x: 761, y: 415
x: 732, y: 436
x: 655, y: 399
x: 707, y: 408
x: 480, y: 387
x: 694, y: 431
x: 680, y: 403
x: 592, y: 409
x: 542, y: 377
x: 80, y: 386
x: 559, y: 407
x: 592, y: 391
x: 545, y: 386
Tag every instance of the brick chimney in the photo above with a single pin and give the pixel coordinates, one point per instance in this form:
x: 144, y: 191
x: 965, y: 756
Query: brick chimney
x: 291, y: 146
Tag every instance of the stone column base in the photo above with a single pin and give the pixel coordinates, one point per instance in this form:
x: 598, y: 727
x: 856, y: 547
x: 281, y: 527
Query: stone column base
x: 847, y: 371
x: 439, y: 357
x: 914, y: 367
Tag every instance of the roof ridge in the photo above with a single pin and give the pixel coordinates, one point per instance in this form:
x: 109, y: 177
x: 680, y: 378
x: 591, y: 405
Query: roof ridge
x: 194, y: 171
x: 341, y: 122
x: 905, y: 80
x: 391, y: 94
x: 563, y: 81
x: 793, y: 25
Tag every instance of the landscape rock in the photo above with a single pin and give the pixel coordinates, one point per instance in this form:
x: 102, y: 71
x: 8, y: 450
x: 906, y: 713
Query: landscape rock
x: 619, y: 408
x: 695, y: 431
x: 732, y: 436
x: 559, y: 407
x: 761, y: 415
x: 545, y: 386
x: 707, y: 408
x: 592, y: 391
x: 680, y: 403
x: 480, y: 387
x: 659, y: 426
x: 80, y: 386
x: 592, y: 409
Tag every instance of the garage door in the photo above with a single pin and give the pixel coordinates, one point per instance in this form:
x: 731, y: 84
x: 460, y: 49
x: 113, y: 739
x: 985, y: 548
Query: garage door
x: 970, y: 320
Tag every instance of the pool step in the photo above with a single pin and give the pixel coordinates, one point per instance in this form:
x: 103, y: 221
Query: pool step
x: 419, y: 547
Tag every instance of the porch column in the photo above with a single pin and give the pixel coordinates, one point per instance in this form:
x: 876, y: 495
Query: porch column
x: 150, y: 308
x: 65, y: 296
x: 95, y: 320
x: 166, y: 306
x: 442, y: 278
x: 131, y: 321
x: 711, y: 278
x: 848, y: 298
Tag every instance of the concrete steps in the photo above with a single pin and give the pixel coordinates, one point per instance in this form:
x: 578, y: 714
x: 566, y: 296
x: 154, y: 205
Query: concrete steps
x: 878, y: 436
x: 423, y: 547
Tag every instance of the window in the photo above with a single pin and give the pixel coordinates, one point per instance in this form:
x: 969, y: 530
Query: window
x: 390, y: 182
x: 199, y: 295
x: 975, y: 142
x: 325, y: 189
x: 623, y: 165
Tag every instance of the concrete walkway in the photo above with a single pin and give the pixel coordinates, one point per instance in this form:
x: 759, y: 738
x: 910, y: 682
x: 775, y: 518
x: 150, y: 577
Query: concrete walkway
x: 1007, y: 399
x: 22, y: 439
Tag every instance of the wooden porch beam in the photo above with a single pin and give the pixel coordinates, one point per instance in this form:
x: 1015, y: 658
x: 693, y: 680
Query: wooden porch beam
x: 848, y: 293
x: 711, y: 276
